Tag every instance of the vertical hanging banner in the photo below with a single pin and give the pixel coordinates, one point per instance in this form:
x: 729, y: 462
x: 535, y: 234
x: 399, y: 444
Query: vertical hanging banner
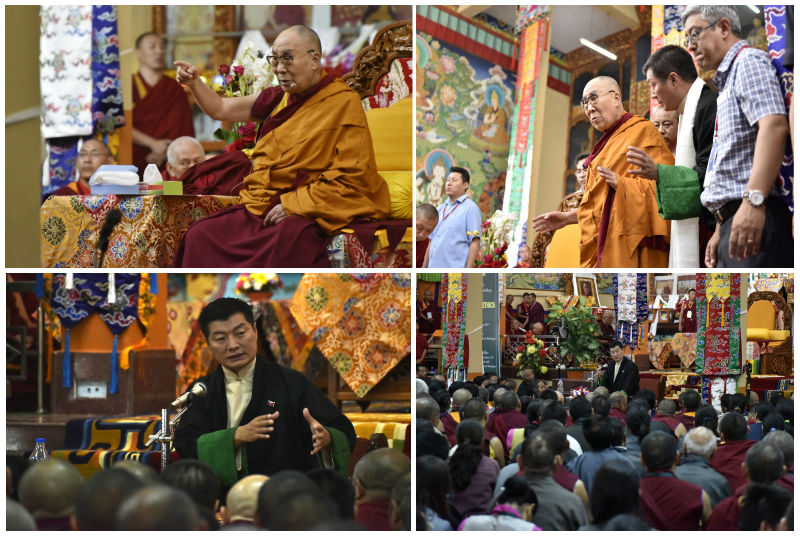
x: 454, y: 298
x: 491, y: 310
x: 533, y: 24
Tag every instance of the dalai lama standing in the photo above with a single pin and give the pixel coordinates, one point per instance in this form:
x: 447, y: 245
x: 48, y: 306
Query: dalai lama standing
x: 161, y: 110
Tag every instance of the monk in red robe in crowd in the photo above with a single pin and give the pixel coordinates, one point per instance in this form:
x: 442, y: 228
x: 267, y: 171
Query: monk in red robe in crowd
x: 92, y: 155
x: 732, y: 450
x: 314, y: 169
x: 161, y: 111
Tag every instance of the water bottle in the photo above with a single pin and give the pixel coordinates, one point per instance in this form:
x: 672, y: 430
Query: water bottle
x: 39, y: 453
x: 560, y: 388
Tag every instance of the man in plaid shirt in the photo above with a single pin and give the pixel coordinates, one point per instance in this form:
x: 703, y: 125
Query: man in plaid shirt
x: 753, y: 224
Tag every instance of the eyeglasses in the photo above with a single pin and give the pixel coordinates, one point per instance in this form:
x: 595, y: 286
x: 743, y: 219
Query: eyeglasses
x: 592, y: 99
x: 286, y: 60
x: 692, y: 37
x: 93, y: 154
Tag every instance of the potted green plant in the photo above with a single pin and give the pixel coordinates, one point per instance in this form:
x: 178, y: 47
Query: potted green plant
x: 581, y: 344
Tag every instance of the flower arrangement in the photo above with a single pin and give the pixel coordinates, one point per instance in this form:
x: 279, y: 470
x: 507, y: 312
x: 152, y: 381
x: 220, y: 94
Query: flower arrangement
x: 495, y: 234
x: 530, y: 355
x: 249, y: 74
x: 258, y: 282
x: 580, y: 390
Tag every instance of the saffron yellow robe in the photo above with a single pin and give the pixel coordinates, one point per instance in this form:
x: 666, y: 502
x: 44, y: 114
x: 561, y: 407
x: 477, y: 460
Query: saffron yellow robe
x: 328, y: 139
x: 634, y: 214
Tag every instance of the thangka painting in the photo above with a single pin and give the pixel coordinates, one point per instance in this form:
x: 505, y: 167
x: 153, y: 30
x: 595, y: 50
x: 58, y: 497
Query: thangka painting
x: 605, y: 283
x: 464, y: 108
x: 542, y: 282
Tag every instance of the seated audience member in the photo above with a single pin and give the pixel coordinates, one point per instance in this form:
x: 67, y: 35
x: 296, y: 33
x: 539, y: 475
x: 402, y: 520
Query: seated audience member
x: 601, y: 405
x: 615, y: 492
x: 783, y: 441
x: 374, y: 476
x: 144, y: 472
x: 690, y: 401
x: 505, y: 417
x: 699, y: 446
x: 786, y: 408
x: 579, y: 410
x: 92, y: 155
x: 428, y: 410
x: 492, y: 447
x: 442, y: 398
x: 556, y: 434
x: 555, y: 410
x: 17, y: 517
x: 182, y: 154
x: 627, y: 523
x: 426, y: 219
x: 528, y: 384
x: 510, y: 385
x: 763, y: 507
x: 597, y: 431
x: 472, y: 473
x: 399, y: 504
x: 513, y: 510
x: 706, y: 416
x: 159, y: 508
x: 200, y: 482
x: 757, y: 416
x: 100, y: 497
x: 460, y: 396
x: 665, y: 413
x: 732, y: 449
x: 315, y: 170
x: 338, y: 488
x: 619, y: 406
x: 433, y: 490
x: 274, y: 493
x: 763, y: 465
x: 606, y: 325
x: 241, y: 501
x: 669, y: 503
x: 648, y: 397
x: 48, y: 490
x: 559, y: 509
x: 429, y: 440
x: 773, y: 422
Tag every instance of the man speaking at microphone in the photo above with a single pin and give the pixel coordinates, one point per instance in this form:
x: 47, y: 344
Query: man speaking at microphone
x: 257, y: 417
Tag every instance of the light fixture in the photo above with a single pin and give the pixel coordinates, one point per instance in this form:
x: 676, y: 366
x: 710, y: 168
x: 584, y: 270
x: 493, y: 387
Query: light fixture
x: 597, y: 48
x: 755, y: 9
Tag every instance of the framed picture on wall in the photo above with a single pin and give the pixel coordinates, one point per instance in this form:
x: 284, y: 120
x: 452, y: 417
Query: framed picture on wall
x: 586, y: 287
x: 685, y: 282
x: 665, y: 285
x: 665, y: 315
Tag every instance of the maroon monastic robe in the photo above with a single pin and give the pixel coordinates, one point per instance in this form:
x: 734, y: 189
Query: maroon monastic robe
x: 502, y: 421
x: 565, y: 478
x: 669, y: 503
x: 726, y: 514
x: 728, y: 459
x: 422, y: 248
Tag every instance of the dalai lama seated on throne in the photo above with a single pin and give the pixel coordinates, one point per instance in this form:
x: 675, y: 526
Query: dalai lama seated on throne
x: 314, y: 170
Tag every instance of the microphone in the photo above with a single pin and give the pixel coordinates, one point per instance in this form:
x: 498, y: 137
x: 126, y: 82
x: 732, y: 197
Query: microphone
x: 198, y: 390
x: 113, y: 218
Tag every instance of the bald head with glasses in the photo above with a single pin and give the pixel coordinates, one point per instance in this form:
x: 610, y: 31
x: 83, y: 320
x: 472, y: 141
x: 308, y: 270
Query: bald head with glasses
x: 295, y: 59
x: 602, y: 102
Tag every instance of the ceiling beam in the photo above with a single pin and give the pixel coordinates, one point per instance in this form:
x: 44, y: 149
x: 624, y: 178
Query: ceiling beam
x: 471, y: 11
x: 623, y: 14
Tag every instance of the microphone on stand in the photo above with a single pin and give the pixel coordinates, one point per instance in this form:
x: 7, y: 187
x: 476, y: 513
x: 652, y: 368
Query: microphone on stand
x: 198, y: 390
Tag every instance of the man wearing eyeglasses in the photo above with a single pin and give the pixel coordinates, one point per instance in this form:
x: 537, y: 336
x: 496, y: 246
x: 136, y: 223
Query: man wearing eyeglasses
x: 618, y: 215
x: 92, y: 154
x: 314, y: 169
x: 741, y: 184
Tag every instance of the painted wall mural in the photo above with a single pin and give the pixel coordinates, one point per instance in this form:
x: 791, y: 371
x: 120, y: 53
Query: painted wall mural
x: 464, y: 107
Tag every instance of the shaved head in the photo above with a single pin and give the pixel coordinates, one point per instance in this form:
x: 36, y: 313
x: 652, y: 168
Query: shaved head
x: 379, y: 470
x: 604, y: 82
x: 307, y: 34
x: 603, y: 100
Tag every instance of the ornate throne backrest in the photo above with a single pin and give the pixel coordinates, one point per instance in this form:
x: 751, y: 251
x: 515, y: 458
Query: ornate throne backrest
x: 542, y: 241
x: 761, y: 313
x: 382, y: 71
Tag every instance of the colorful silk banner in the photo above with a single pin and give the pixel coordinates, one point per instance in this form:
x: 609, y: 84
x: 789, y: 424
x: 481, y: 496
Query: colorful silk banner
x: 718, y: 331
x: 454, y: 298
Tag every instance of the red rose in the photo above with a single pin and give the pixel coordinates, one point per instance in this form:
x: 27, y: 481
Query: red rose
x: 240, y: 143
x: 228, y: 79
x: 542, y: 353
x: 238, y: 70
x: 224, y: 69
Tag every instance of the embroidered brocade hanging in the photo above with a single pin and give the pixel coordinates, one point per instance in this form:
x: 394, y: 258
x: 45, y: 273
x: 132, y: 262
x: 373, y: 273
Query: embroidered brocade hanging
x: 719, y: 331
x: 453, y: 297
x: 630, y: 304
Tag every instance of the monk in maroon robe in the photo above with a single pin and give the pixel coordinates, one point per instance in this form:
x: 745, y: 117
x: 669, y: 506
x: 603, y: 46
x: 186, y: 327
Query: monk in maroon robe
x: 161, y: 110
x: 732, y: 449
x: 688, y: 319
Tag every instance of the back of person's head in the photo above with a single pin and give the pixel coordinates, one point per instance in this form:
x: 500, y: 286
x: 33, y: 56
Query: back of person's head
x: 442, y: 398
x: 764, y: 463
x: 494, y: 391
x: 158, y: 508
x: 507, y: 400
x: 601, y: 405
x: 144, y: 472
x: 433, y: 484
x: 618, y: 400
x: 772, y: 422
x: 627, y: 522
x: 671, y: 59
x: 763, y: 507
x: 725, y: 402
x: 646, y: 395
x: 549, y: 393
x: 460, y: 397
x: 242, y: 498
x: 597, y: 432
x: 223, y: 309
x: 658, y: 451
x: 733, y: 426
x: 378, y: 471
x: 691, y: 400
x: 299, y: 510
x: 455, y: 386
x: 464, y: 462
x: 641, y: 404
x: 101, y: 496
x: 198, y: 479
x: 666, y: 407
x: 435, y: 386
x: 524, y: 401
x: 700, y: 441
x: 554, y: 411
x: 49, y: 489
x: 338, y: 488
x: 617, y: 431
x: 706, y: 416
x: 535, y: 408
x: 510, y: 385
x: 517, y: 491
x: 537, y: 454
x: 784, y: 442
x: 579, y: 407
x: 738, y: 402
x: 474, y: 409
x: 17, y: 517
x: 555, y: 433
x: 400, y: 504
x: 472, y: 388
x: 429, y: 441
x: 480, y: 378
x: 600, y: 390
x: 786, y: 408
x: 483, y: 394
x: 427, y: 409
x: 638, y: 421
x: 274, y: 490
x: 615, y: 491
x: 762, y: 409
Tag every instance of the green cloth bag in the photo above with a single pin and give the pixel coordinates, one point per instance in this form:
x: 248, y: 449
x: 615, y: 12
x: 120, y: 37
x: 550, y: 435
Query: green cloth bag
x: 678, y: 192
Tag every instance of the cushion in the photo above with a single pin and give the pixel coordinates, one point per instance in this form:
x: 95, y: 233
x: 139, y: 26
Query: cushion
x: 400, y: 195
x: 391, y: 129
x: 779, y: 335
x: 758, y: 334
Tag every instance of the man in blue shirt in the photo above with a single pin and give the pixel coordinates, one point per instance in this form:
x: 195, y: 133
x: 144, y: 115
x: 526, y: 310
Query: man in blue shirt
x: 455, y: 243
x: 753, y: 224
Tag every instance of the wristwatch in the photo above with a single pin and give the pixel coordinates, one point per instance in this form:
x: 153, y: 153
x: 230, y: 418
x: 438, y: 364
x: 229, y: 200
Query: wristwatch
x: 755, y: 197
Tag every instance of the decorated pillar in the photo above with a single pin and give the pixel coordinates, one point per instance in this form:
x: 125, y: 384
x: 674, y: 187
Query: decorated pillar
x: 533, y: 25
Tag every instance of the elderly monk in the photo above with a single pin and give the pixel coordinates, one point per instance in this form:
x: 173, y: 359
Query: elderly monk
x: 618, y: 215
x: 182, y: 154
x: 314, y: 169
x: 666, y: 121
x: 161, y: 110
x: 92, y: 155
